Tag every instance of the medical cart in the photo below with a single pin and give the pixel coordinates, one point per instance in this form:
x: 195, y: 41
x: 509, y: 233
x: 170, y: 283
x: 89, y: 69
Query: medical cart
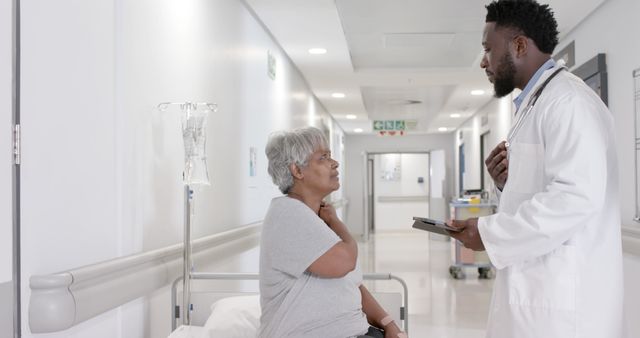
x: 461, y: 256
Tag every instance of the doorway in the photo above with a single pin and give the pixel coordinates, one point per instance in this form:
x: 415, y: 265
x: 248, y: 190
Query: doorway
x: 397, y: 188
x: 484, y: 152
x: 461, y: 167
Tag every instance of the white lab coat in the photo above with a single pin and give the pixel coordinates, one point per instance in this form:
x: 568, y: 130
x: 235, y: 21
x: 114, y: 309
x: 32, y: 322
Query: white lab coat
x: 555, y: 240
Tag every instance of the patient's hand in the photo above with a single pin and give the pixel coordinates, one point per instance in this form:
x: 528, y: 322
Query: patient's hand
x: 391, y: 331
x: 328, y: 214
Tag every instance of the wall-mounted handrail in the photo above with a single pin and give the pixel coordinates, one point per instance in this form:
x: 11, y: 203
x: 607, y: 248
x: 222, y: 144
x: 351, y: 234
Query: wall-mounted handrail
x: 403, y: 199
x: 61, y: 300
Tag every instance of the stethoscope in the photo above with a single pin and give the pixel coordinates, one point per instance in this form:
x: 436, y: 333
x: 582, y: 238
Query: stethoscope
x: 532, y: 102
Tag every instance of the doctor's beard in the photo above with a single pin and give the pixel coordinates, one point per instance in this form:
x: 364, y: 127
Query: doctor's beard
x: 504, y: 80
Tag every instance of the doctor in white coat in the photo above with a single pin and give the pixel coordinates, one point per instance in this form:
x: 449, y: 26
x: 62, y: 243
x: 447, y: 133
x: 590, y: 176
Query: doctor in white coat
x: 555, y: 240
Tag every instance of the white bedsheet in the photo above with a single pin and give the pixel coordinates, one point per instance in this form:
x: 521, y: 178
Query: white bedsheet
x: 187, y: 332
x: 232, y: 317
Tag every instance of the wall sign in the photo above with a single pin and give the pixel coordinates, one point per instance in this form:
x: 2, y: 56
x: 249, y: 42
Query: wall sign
x: 271, y: 65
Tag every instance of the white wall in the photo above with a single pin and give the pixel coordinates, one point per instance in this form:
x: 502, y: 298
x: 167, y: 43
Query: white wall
x: 357, y: 145
x: 6, y: 227
x: 498, y: 113
x: 337, y: 153
x: 600, y: 34
x: 632, y: 293
x: 438, y: 205
x: 397, y: 215
x: 437, y: 174
x: 6, y: 159
x: 102, y: 167
x: 227, y: 64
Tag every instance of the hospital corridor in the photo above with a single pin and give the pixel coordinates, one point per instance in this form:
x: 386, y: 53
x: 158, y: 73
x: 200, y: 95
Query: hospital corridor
x: 440, y: 305
x: 319, y: 169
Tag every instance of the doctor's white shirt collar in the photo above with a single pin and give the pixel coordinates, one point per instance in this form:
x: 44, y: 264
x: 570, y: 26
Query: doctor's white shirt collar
x: 532, y: 82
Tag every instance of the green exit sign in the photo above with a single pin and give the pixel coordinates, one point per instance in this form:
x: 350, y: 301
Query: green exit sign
x: 388, y: 125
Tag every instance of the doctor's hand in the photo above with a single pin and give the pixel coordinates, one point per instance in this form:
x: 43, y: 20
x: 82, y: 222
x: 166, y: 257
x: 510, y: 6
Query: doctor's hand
x: 498, y: 165
x: 469, y: 236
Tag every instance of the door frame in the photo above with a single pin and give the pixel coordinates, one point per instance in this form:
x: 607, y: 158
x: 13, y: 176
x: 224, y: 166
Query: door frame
x: 15, y: 171
x: 483, y: 140
x: 461, y: 168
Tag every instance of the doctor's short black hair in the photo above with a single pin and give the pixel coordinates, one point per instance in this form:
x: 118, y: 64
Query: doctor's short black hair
x: 530, y: 18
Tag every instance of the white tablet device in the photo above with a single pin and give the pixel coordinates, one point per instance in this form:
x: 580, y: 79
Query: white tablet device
x: 432, y: 225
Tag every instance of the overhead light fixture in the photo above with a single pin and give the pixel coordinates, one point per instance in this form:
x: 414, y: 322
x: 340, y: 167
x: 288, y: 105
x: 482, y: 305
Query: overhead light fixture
x: 317, y: 51
x: 442, y: 129
x: 477, y: 92
x: 351, y: 117
x: 358, y: 130
x: 455, y: 116
x: 338, y: 95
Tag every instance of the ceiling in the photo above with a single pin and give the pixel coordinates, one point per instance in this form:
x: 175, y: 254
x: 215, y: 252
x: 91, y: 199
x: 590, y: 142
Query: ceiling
x: 414, y: 60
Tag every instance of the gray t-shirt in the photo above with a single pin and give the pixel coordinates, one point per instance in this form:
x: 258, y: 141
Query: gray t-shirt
x: 296, y: 303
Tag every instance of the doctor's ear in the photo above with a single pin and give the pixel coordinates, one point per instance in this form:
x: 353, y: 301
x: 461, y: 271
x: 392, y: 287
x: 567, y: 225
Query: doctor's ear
x: 296, y: 172
x: 521, y: 44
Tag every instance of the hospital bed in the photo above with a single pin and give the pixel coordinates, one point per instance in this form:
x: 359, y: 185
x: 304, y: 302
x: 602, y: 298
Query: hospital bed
x: 230, y: 314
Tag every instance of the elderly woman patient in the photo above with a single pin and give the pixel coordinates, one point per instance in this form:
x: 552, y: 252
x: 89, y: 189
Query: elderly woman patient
x: 310, y: 283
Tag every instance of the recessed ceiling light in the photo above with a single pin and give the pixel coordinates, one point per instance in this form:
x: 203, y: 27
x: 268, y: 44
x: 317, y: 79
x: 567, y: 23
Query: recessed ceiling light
x: 454, y: 116
x: 442, y: 129
x: 477, y: 92
x: 351, y: 117
x: 338, y: 95
x: 317, y: 51
x: 357, y: 130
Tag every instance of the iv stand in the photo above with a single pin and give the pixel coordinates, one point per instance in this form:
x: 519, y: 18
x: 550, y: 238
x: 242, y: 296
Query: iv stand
x: 186, y: 250
x: 636, y: 79
x: 187, y: 108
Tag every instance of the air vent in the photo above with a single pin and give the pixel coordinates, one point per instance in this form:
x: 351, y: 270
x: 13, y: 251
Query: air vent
x: 402, y: 102
x: 410, y: 124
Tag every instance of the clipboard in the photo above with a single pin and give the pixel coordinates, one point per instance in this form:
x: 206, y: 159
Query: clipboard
x: 433, y: 225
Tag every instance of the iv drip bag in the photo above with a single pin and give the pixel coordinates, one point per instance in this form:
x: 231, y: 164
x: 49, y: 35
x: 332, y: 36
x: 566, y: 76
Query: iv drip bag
x: 194, y: 123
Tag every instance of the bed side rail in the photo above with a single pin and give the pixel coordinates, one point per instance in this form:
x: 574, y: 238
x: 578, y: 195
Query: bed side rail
x: 175, y: 308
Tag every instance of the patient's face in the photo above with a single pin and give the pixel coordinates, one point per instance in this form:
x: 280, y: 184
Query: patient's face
x: 321, y: 173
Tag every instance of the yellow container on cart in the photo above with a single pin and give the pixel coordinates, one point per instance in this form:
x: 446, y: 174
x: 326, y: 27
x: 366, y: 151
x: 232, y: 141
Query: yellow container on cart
x: 461, y: 256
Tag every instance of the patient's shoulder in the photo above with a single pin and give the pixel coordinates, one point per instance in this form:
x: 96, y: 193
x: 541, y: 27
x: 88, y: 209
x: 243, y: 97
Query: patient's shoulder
x: 285, y: 210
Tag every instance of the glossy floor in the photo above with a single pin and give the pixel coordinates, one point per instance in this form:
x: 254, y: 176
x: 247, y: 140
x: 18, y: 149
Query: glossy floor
x: 439, y: 306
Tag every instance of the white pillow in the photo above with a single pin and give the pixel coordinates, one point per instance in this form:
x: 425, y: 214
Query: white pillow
x: 234, y: 317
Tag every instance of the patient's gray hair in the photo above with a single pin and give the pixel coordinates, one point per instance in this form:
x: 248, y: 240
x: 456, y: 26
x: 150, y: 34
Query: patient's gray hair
x: 295, y: 146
